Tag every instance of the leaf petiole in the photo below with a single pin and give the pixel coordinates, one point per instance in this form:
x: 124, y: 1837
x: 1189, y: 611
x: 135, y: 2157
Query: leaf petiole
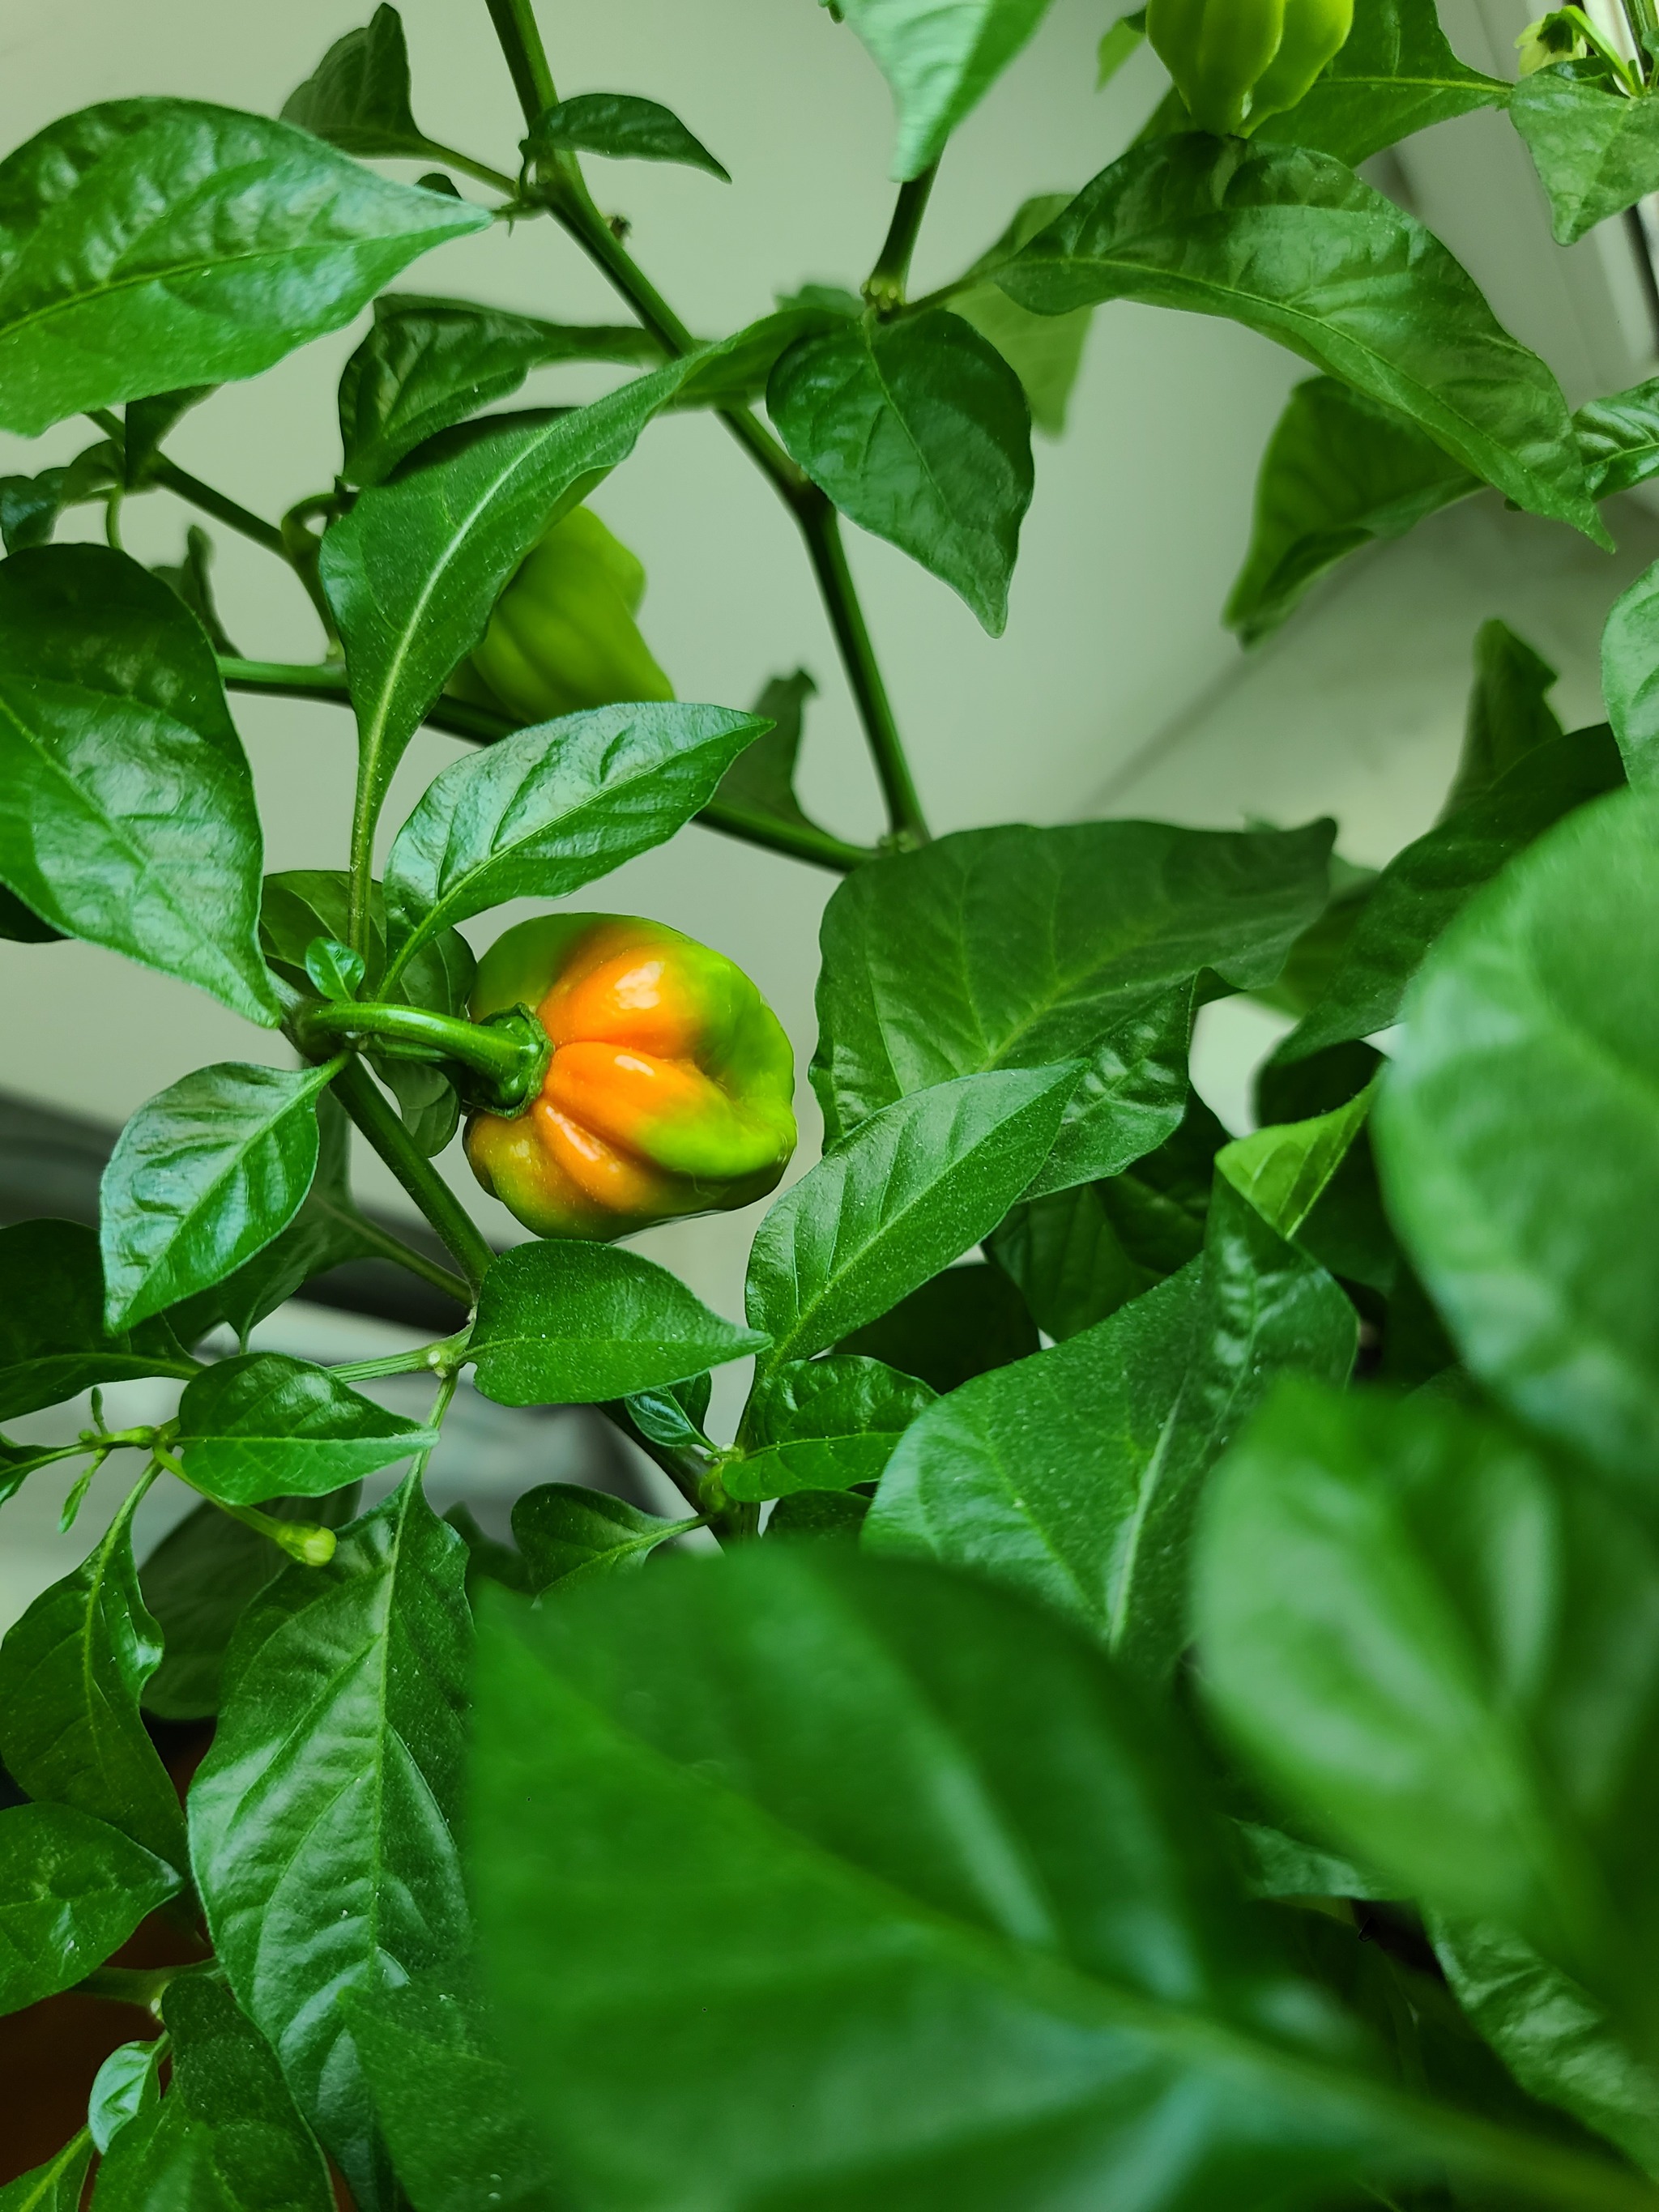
x: 312, y: 1546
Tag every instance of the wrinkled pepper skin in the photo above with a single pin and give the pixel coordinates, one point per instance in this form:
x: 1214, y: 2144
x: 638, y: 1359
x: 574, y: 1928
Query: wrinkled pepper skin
x: 562, y: 635
x: 1237, y: 62
x: 670, y: 1088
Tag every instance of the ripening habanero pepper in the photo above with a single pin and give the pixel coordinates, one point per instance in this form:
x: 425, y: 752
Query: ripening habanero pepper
x: 562, y: 635
x: 1237, y: 62
x: 669, y: 1089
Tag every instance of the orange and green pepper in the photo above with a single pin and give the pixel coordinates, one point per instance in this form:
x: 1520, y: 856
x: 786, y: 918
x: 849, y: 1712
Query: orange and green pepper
x: 668, y: 1091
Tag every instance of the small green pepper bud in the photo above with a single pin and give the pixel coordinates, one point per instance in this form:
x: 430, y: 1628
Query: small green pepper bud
x: 1237, y: 62
x: 562, y: 635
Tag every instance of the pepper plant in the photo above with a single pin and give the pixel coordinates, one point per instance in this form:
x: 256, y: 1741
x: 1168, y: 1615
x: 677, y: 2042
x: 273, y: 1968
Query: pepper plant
x: 1174, y: 1720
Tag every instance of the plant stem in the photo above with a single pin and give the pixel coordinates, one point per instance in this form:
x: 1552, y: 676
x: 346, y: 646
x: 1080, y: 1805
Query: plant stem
x: 171, y: 477
x: 374, y: 1117
x: 506, y: 1051
x: 526, y: 57
x: 393, y: 1249
x: 133, y: 1985
x: 480, y: 171
x: 326, y: 680
x: 440, y: 1359
x: 884, y: 288
x: 313, y: 1547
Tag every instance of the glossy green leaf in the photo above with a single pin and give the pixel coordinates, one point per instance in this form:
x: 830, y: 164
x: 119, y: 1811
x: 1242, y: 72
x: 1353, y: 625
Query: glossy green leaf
x: 226, y: 2138
x: 30, y: 507
x: 673, y: 1416
x: 1509, y: 712
x: 1079, y: 1254
x: 19, y: 1461
x: 909, y: 1190
x: 544, y: 811
x: 960, y: 1323
x: 822, y: 1424
x: 1404, y: 1615
x: 413, y: 572
x: 322, y: 1818
x: 1423, y: 889
x: 1284, y: 1169
x: 428, y: 364
x: 1619, y: 437
x: 1341, y: 472
x: 334, y: 969
x: 1395, y: 74
x: 1518, y: 1140
x: 1075, y: 1476
x: 53, y: 1340
x: 567, y: 1535
x: 920, y: 432
x: 126, y: 2088
x: 1044, y: 352
x: 561, y: 1323
x: 1596, y: 150
x: 203, y: 1176
x: 72, y: 1670
x: 1552, y: 2036
x: 450, y: 2107
x: 56, y: 2186
x: 1293, y: 245
x: 357, y: 97
x: 200, y: 1580
x: 940, y: 58
x: 126, y: 807
x: 624, y: 127
x: 940, y: 1899
x: 72, y: 1890
x: 266, y: 1425
x: 1630, y: 676
x: 1018, y: 947
x: 150, y: 244
x: 762, y: 779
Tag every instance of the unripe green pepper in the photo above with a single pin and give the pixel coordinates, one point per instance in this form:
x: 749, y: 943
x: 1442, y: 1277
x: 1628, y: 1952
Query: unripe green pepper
x: 670, y: 1087
x: 562, y: 635
x: 1237, y: 62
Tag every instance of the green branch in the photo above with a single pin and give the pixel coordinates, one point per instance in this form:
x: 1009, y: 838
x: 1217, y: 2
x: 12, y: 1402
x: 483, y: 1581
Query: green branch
x: 374, y: 1116
x: 511, y: 1050
x: 884, y: 288
x: 161, y: 471
x: 326, y: 680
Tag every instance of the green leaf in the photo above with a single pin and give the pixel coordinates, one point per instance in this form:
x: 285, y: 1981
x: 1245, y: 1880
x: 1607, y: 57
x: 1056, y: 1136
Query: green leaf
x: 414, y: 571
x: 357, y: 96
x: 266, y: 1425
x: 53, y: 1340
x: 920, y: 432
x: 1597, y: 151
x: 1518, y: 1140
x: 622, y: 127
x: 1291, y: 244
x: 940, y: 1897
x: 1283, y: 1170
x: 1509, y: 712
x: 909, y: 1190
x: 189, y: 581
x: 147, y: 244
x: 568, y: 1534
x: 822, y: 1424
x: 326, y: 1808
x: 960, y: 1323
x: 21, y: 925
x: 203, y: 1176
x: 673, y: 1416
x: 561, y: 1323
x: 334, y: 969
x: 762, y: 779
x: 1619, y: 437
x: 1423, y: 889
x: 148, y: 421
x: 1044, y: 352
x: 125, y: 2087
x: 449, y: 2106
x: 31, y: 507
x: 1075, y: 1476
x: 1340, y: 472
x: 226, y: 2138
x: 56, y: 2186
x: 428, y: 364
x: 540, y: 813
x: 1394, y: 75
x: 200, y: 1580
x: 1018, y: 947
x: 1120, y: 42
x: 1630, y: 676
x: 72, y: 1890
x: 1404, y: 1614
x: 1552, y: 2036
x: 940, y: 58
x: 1079, y: 1254
x: 71, y: 1674
x: 126, y: 808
